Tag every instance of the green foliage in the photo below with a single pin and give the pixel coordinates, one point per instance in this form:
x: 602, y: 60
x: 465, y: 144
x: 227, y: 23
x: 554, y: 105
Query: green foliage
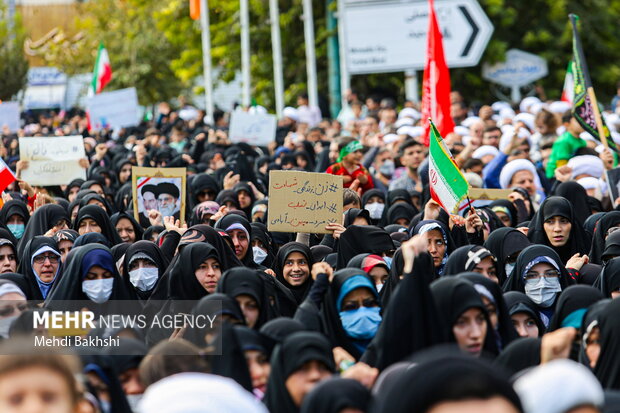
x: 13, y: 63
x: 155, y: 46
x: 181, y: 31
x: 542, y: 27
x: 139, y: 53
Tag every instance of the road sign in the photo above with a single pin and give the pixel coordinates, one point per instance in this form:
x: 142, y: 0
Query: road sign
x: 519, y: 69
x: 390, y: 36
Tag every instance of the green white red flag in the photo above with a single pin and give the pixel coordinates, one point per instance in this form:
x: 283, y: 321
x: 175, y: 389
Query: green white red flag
x: 447, y: 184
x: 102, y: 74
x: 568, y: 93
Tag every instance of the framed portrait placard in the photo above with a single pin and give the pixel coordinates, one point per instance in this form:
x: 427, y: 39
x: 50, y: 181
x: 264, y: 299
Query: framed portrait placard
x: 162, y: 189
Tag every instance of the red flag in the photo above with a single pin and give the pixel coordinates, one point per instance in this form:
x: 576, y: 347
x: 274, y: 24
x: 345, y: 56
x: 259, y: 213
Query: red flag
x: 436, y: 83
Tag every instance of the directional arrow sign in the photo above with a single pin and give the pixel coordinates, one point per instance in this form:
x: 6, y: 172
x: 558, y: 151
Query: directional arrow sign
x: 390, y: 36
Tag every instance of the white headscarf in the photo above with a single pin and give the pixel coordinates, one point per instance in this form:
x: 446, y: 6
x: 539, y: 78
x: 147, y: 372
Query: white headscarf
x: 557, y: 387
x: 586, y: 165
x: 8, y: 288
x: 525, y: 104
x: 198, y: 393
x: 515, y: 166
x: 485, y: 150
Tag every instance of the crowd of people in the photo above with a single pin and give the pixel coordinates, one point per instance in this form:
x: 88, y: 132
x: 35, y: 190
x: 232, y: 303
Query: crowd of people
x: 507, y: 306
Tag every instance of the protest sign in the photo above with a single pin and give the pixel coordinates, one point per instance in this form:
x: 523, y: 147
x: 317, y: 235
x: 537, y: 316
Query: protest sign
x: 489, y: 193
x: 162, y: 189
x: 9, y: 115
x: 304, y: 201
x: 481, y: 197
x: 52, y: 160
x: 255, y: 129
x: 114, y: 110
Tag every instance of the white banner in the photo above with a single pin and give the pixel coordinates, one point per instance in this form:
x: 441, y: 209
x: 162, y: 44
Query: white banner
x: 254, y: 129
x: 9, y: 115
x: 114, y: 110
x: 53, y: 160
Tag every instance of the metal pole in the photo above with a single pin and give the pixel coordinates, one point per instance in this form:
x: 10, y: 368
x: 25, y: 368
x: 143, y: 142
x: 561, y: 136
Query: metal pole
x: 345, y: 79
x: 206, y: 59
x: 333, y: 61
x: 11, y: 17
x: 411, y: 86
x: 245, y: 52
x: 313, y: 95
x: 276, y: 47
x: 515, y: 94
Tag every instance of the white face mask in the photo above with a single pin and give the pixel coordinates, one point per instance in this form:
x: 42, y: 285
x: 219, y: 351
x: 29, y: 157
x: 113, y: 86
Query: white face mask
x: 134, y: 400
x: 259, y: 255
x: 509, y: 268
x: 5, y: 325
x: 379, y: 287
x: 387, y: 168
x: 543, y: 290
x: 144, y: 278
x: 375, y: 210
x: 98, y: 291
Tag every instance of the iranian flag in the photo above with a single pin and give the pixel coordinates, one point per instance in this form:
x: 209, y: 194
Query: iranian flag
x: 569, y: 85
x: 103, y: 71
x: 447, y: 184
x: 7, y: 177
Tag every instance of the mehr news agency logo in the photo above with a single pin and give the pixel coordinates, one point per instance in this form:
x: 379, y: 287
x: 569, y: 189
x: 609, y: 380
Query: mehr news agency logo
x: 70, y: 328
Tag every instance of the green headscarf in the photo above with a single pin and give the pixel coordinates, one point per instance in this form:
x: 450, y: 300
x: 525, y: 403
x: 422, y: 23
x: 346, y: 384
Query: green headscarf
x: 350, y: 148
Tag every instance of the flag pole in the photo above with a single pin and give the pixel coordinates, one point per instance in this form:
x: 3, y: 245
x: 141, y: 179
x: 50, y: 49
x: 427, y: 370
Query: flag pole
x: 588, y: 81
x: 205, y: 36
x: 597, y: 117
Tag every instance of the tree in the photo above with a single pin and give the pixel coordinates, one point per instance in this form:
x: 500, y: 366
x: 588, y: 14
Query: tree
x: 13, y: 63
x: 156, y: 47
x: 173, y: 19
x: 139, y: 53
x: 542, y: 27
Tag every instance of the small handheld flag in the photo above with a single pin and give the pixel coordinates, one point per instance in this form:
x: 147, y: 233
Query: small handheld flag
x: 7, y: 177
x: 448, y: 186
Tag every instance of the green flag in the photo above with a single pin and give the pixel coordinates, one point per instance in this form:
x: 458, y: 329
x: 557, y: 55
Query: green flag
x: 583, y: 107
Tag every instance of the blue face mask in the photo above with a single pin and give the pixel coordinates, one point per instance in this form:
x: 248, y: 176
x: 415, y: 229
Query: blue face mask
x: 361, y: 324
x: 17, y: 230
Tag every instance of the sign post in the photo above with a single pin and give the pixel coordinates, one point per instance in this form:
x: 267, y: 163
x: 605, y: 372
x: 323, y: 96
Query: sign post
x: 519, y: 69
x: 397, y: 41
x: 303, y: 201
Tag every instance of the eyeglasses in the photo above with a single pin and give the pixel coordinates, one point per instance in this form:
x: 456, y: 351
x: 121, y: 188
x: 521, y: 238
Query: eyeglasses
x: 354, y: 305
x: 11, y: 309
x: 40, y: 259
x: 547, y: 274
